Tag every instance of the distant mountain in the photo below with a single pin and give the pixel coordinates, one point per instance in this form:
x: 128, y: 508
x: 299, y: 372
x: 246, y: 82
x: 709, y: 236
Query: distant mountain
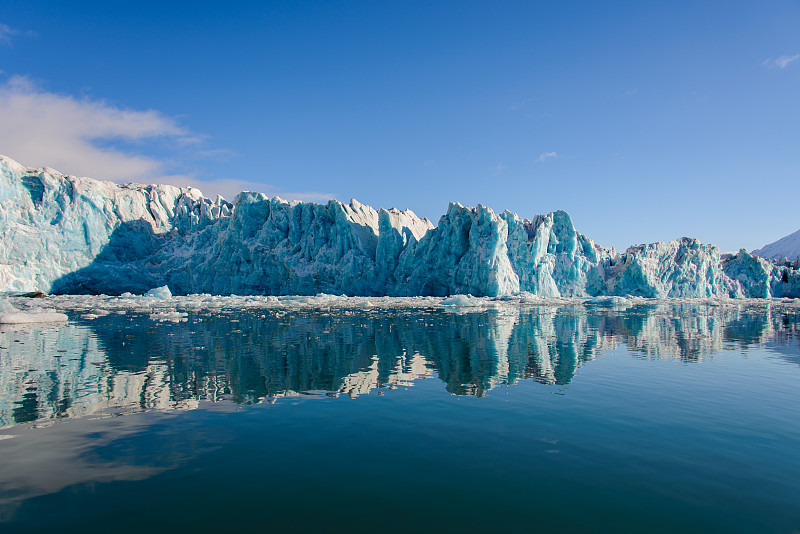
x: 785, y: 247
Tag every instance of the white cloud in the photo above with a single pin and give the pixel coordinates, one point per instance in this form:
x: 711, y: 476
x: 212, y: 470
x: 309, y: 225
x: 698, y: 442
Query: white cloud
x: 499, y: 169
x: 781, y: 62
x: 216, y: 153
x: 47, y: 129
x: 6, y: 33
x: 547, y: 155
x: 42, y: 129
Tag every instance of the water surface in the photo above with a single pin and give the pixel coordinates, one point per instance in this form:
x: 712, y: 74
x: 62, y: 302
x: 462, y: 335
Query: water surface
x: 656, y: 418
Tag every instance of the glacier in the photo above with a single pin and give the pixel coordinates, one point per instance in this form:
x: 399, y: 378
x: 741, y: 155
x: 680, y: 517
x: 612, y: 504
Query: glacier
x: 74, y: 235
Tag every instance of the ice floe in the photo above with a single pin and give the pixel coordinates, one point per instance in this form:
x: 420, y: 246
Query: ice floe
x: 9, y: 314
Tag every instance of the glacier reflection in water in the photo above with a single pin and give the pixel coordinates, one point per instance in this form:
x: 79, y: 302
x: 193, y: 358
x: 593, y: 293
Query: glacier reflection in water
x: 128, y: 362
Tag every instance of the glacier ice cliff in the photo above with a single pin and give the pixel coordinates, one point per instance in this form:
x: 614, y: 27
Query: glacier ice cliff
x: 65, y: 234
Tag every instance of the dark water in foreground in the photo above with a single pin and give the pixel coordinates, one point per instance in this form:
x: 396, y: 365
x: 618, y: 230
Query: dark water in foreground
x: 572, y: 419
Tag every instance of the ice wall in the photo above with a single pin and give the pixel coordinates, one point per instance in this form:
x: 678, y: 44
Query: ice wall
x: 78, y: 235
x: 53, y: 225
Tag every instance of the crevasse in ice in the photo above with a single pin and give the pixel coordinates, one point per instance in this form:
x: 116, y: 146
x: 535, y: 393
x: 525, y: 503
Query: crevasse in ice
x: 66, y: 234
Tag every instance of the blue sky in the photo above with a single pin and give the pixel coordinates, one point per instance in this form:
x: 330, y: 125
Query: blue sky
x: 645, y: 121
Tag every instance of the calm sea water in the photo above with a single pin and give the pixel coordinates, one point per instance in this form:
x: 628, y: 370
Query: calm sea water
x: 654, y: 418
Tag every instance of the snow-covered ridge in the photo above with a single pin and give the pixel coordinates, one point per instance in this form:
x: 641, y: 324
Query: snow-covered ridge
x: 786, y: 248
x: 66, y: 234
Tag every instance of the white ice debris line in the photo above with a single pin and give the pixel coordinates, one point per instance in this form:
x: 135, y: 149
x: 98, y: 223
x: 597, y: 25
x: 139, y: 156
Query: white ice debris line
x: 11, y: 315
x: 161, y: 306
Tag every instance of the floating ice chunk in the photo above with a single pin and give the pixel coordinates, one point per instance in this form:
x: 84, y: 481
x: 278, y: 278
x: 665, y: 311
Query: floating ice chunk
x: 463, y: 300
x: 173, y: 317
x: 162, y: 293
x: 608, y: 301
x: 11, y: 315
